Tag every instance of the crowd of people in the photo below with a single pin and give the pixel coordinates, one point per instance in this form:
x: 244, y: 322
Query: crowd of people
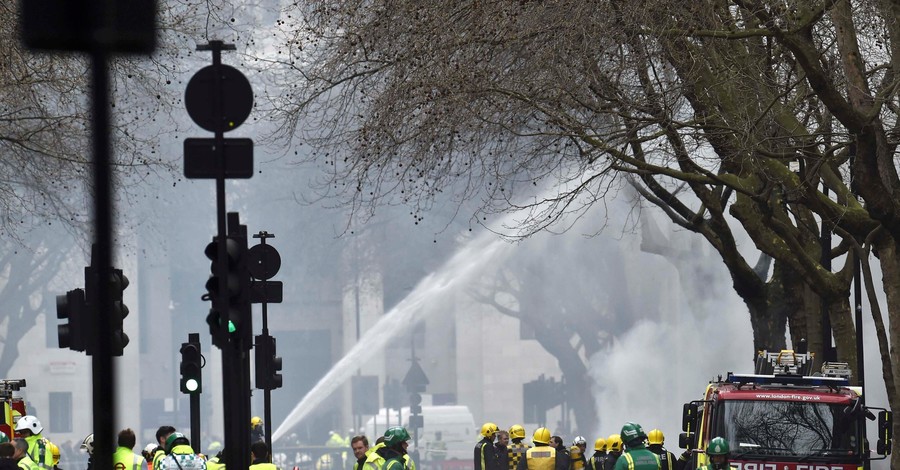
x: 631, y: 449
x: 30, y: 450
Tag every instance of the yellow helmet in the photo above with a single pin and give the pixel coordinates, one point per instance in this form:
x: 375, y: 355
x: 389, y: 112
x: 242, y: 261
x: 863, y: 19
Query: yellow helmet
x: 489, y: 429
x: 656, y: 437
x: 516, y: 432
x: 54, y: 451
x: 600, y: 444
x: 541, y: 436
x: 614, y: 443
x: 255, y: 421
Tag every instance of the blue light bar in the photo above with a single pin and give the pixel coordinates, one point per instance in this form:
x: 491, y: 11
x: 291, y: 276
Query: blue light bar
x: 787, y: 380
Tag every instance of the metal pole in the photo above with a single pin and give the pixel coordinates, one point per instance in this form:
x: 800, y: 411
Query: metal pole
x: 103, y: 369
x: 195, y: 404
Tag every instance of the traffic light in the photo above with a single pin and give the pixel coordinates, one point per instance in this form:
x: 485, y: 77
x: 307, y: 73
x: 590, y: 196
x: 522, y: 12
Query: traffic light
x: 118, y: 284
x: 71, y: 306
x: 268, y: 365
x: 224, y: 315
x: 275, y: 372
x: 191, y: 368
x: 262, y: 356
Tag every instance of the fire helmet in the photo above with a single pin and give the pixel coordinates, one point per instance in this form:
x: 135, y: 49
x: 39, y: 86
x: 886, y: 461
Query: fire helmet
x: 30, y: 423
x: 541, y: 436
x: 656, y: 437
x: 88, y: 443
x: 600, y: 444
x: 488, y: 430
x: 256, y: 422
x: 579, y: 441
x: 614, y: 443
x: 54, y: 451
x: 516, y: 431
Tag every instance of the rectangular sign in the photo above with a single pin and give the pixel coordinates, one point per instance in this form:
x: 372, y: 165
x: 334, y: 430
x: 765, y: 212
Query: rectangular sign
x: 201, y: 158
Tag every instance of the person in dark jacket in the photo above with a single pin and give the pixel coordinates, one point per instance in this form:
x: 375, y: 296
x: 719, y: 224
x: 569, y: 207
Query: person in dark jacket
x: 485, y: 456
x: 7, y: 462
x: 501, y: 450
x: 561, y: 450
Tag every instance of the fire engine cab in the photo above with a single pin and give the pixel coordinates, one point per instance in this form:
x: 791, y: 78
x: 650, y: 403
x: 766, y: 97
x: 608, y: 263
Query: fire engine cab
x: 13, y: 406
x: 782, y: 418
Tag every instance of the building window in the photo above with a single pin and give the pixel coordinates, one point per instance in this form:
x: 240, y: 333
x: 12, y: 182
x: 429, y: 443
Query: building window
x: 60, y: 412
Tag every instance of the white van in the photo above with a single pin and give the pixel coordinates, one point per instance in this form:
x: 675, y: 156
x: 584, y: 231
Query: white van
x: 455, y: 423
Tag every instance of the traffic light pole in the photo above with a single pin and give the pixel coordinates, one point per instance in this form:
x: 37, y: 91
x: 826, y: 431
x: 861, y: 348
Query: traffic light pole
x: 195, y: 406
x: 103, y: 373
x: 235, y: 379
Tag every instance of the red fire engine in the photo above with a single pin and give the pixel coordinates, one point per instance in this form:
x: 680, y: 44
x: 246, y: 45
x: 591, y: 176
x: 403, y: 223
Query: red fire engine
x: 781, y: 418
x: 13, y: 407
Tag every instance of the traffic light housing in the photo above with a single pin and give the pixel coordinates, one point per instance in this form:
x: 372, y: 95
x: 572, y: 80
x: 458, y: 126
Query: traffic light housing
x: 225, y: 315
x: 71, y: 306
x: 268, y: 364
x: 117, y: 285
x: 191, y: 368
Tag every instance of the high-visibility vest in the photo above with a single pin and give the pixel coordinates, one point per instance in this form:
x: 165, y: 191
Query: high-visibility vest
x: 541, y: 458
x: 39, y: 451
x: 516, y: 452
x: 125, y: 459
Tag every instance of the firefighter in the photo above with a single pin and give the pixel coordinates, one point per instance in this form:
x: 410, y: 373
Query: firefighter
x: 124, y: 456
x: 636, y: 455
x: 517, y: 448
x: 576, y: 452
x: 613, y: 451
x: 667, y: 460
x: 717, y: 450
x: 259, y: 452
x: 180, y: 455
x: 87, y: 445
x: 30, y: 428
x: 147, y: 453
x: 54, y: 451
x: 257, y: 430
x: 394, y: 451
x: 542, y: 456
x: 596, y: 460
x: 485, y: 458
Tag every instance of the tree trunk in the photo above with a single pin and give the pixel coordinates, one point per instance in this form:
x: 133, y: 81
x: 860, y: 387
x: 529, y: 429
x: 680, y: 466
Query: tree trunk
x: 887, y: 253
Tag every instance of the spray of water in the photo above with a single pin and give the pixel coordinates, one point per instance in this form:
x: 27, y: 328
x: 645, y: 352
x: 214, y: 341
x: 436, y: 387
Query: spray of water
x: 482, y: 251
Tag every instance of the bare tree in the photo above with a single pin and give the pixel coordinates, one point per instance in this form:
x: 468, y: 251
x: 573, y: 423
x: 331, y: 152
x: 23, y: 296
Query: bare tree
x: 760, y: 111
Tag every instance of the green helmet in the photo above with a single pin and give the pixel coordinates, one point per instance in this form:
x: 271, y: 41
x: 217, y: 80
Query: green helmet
x: 632, y: 434
x: 174, y: 439
x: 395, y: 435
x: 717, y: 446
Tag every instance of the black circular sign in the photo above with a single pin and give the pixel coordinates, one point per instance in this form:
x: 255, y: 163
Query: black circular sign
x: 263, y: 262
x: 233, y: 93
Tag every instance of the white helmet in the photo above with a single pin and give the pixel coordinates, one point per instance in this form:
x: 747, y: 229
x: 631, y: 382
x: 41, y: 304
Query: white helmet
x: 30, y: 423
x: 149, y: 448
x: 88, y: 443
x: 579, y: 440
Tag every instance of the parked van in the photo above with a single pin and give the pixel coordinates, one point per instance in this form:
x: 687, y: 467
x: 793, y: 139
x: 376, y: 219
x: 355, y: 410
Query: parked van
x: 455, y: 423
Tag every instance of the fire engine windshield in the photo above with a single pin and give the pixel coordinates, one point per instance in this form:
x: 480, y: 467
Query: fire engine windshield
x: 788, y: 429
